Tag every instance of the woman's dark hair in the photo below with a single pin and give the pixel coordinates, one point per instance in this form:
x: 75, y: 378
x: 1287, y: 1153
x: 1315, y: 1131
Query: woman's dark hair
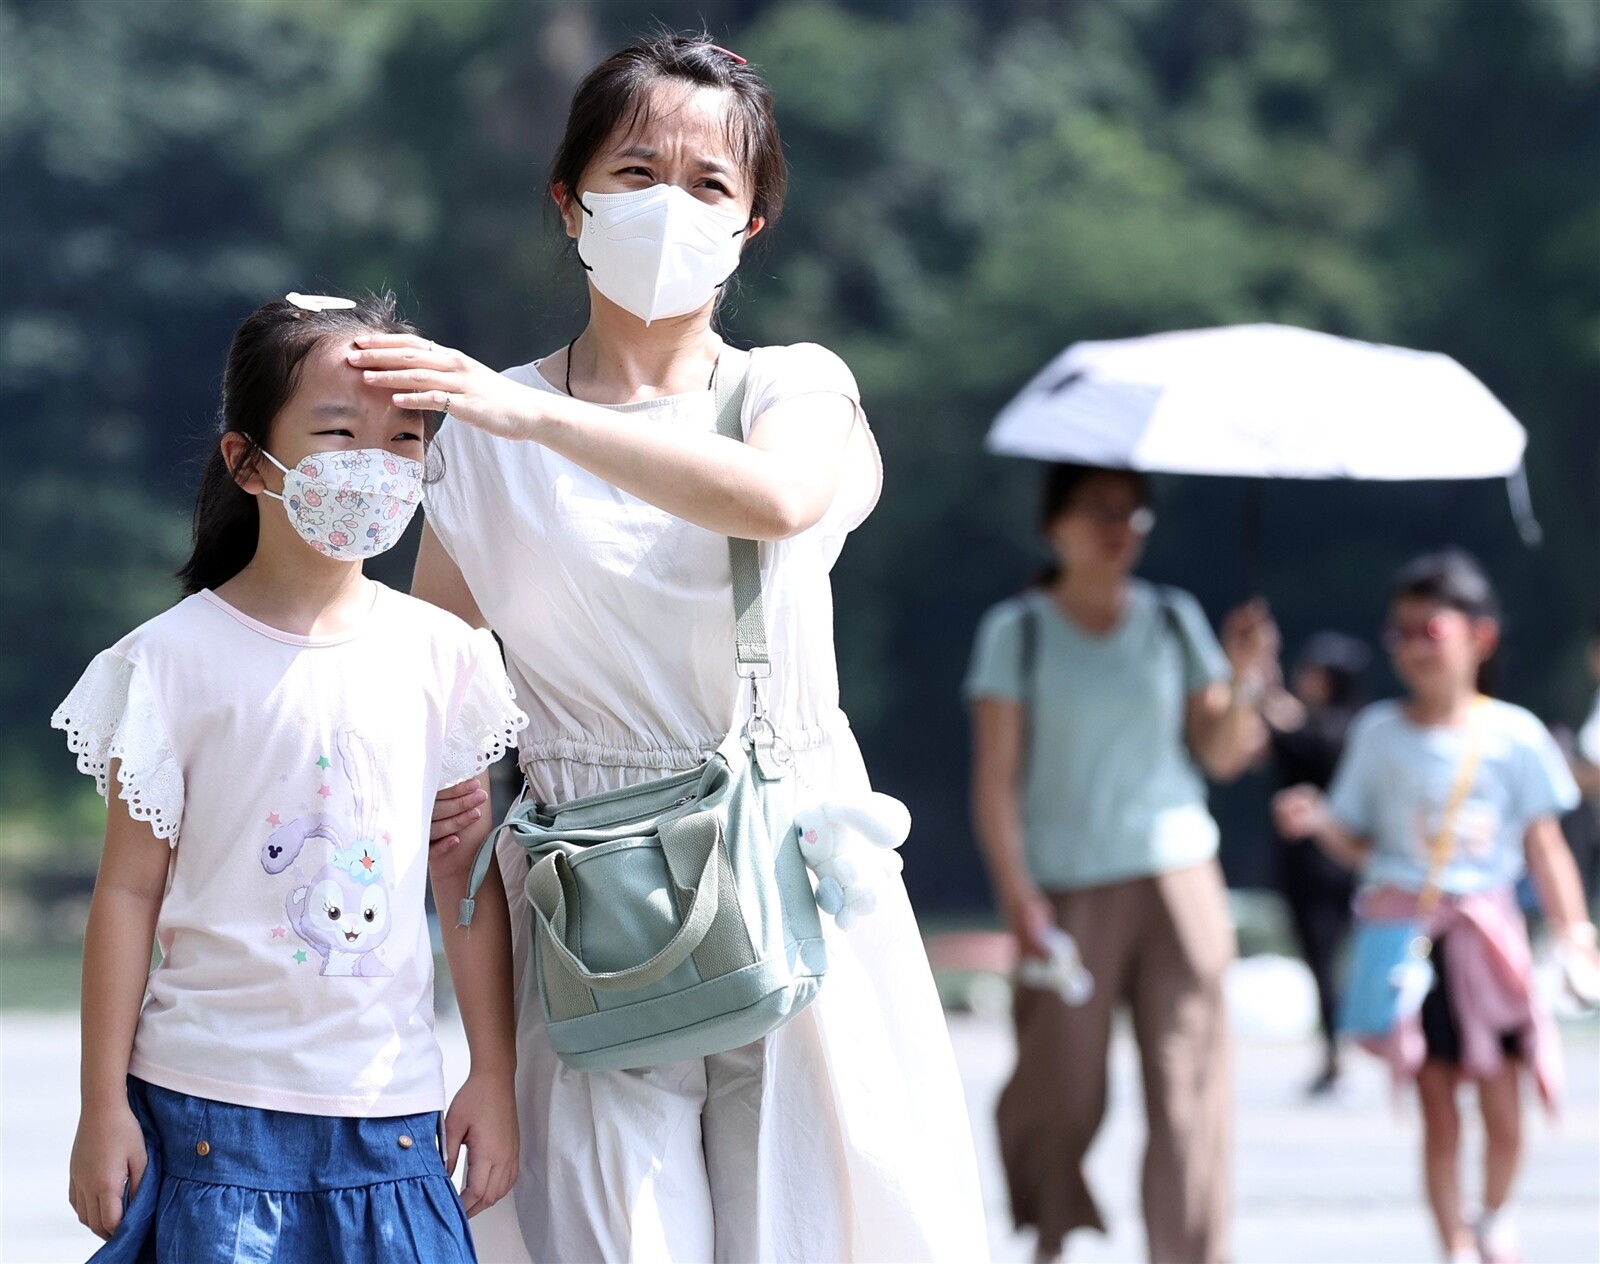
x: 263, y: 371
x: 1063, y: 480
x: 1344, y: 661
x: 1453, y: 578
x: 616, y: 95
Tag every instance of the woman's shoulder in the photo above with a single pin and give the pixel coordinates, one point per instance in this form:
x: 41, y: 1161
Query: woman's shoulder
x: 808, y: 366
x: 1004, y: 618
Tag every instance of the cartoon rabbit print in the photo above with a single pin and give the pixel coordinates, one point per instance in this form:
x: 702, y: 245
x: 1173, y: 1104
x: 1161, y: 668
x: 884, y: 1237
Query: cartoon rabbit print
x: 342, y: 910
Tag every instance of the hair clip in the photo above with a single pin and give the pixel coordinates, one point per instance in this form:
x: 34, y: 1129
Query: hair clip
x: 318, y: 302
x: 727, y: 52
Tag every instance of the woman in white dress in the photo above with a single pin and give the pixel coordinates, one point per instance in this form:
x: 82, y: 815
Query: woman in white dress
x: 583, y: 515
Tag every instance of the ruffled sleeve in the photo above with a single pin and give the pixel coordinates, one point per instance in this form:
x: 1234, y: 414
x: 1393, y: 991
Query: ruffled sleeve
x: 111, y: 714
x: 487, y: 720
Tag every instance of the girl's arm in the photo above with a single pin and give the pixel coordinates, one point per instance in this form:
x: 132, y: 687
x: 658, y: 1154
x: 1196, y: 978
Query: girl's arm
x: 108, y: 1154
x: 1555, y: 877
x: 483, y: 1114
x: 439, y: 581
x: 997, y: 749
x: 772, y: 487
x: 1302, y: 812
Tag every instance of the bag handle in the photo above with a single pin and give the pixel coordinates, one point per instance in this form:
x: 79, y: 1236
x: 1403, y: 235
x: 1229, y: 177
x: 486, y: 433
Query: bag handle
x: 686, y: 843
x: 1442, y: 844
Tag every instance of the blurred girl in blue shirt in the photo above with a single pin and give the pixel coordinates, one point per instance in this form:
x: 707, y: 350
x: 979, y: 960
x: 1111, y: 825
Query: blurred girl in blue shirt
x: 1481, y: 782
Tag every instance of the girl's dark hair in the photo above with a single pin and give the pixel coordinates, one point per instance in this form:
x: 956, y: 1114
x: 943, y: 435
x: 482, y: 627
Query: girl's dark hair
x: 616, y: 95
x: 1063, y: 480
x: 263, y: 371
x: 1453, y: 578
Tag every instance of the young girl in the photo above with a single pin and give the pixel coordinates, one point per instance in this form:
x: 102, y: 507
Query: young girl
x: 1447, y: 780
x: 274, y: 742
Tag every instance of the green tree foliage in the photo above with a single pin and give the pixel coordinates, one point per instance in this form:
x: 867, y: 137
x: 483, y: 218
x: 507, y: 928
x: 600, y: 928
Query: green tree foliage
x: 975, y: 185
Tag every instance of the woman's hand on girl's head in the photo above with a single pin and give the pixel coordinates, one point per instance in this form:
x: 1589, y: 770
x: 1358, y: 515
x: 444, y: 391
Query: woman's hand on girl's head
x: 455, y: 811
x: 108, y: 1158
x: 429, y: 378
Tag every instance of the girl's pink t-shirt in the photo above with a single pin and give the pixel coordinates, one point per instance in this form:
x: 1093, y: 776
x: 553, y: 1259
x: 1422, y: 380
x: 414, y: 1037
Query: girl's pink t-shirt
x: 294, y: 777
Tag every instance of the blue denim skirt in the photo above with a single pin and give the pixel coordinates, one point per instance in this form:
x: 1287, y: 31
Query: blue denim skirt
x: 229, y: 1184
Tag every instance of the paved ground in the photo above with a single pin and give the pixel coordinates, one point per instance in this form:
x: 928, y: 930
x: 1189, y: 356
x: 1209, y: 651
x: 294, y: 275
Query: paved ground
x: 1334, y: 1181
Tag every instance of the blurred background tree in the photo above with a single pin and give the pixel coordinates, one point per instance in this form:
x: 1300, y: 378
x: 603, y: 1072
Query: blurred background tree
x: 976, y: 183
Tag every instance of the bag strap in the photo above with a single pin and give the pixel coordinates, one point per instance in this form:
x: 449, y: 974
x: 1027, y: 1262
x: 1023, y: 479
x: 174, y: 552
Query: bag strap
x: 752, y: 658
x: 1169, y: 612
x: 1443, y: 842
x: 749, y: 617
x: 1028, y: 669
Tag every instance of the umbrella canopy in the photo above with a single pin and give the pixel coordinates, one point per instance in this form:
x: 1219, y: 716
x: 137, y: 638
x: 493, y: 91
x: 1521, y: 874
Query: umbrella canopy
x: 1264, y: 401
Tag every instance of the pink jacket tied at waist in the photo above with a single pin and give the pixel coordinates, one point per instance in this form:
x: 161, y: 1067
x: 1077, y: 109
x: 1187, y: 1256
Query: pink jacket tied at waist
x: 1490, y: 977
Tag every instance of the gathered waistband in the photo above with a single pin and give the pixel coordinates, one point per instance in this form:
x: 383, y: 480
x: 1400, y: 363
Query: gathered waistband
x: 532, y: 751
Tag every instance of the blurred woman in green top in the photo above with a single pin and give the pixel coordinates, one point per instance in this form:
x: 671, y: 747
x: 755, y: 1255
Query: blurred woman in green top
x: 1100, y: 703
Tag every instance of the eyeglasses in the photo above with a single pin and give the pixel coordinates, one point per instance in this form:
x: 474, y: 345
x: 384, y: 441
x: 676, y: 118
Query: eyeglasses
x: 1140, y: 521
x: 1396, y: 635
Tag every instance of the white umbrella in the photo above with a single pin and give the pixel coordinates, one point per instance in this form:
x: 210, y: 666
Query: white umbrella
x: 1265, y: 401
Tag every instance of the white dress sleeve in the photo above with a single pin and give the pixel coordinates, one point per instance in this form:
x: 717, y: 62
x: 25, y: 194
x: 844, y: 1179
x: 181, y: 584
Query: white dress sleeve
x: 111, y: 714
x: 487, y: 721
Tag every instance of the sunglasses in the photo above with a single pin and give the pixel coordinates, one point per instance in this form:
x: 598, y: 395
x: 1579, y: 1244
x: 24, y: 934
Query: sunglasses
x: 1140, y: 521
x: 1396, y: 635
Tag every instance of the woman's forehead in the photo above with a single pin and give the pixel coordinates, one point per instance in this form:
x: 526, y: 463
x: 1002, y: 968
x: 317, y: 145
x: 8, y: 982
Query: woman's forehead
x: 679, y: 120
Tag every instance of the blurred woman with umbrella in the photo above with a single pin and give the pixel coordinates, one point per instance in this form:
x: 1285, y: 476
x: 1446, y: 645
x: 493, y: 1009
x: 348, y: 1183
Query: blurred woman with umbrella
x: 1095, y: 696
x: 1307, y: 725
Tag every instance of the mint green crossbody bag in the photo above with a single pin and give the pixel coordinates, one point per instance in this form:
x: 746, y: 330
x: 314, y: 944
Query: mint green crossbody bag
x: 676, y: 919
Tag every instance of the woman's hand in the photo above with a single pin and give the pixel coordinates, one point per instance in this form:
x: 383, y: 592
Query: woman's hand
x: 108, y: 1157
x: 1251, y: 641
x: 430, y: 378
x: 1300, y: 812
x: 1028, y: 916
x: 456, y: 811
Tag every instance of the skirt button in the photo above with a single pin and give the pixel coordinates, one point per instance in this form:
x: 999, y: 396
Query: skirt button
x: 405, y: 1142
x: 202, y: 1148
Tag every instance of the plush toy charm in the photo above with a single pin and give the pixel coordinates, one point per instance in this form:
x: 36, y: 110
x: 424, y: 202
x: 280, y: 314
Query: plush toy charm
x: 849, y: 844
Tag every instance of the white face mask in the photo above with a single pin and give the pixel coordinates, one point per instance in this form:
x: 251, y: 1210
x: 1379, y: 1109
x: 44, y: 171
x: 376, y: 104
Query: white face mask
x: 350, y: 504
x: 658, y: 252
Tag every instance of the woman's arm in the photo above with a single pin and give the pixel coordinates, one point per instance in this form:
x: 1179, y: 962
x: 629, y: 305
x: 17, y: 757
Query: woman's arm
x: 997, y: 757
x: 772, y: 487
x: 108, y: 1153
x: 1225, y: 732
x: 438, y: 581
x: 483, y: 1114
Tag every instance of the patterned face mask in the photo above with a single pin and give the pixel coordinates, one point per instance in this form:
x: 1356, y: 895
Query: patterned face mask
x: 350, y: 504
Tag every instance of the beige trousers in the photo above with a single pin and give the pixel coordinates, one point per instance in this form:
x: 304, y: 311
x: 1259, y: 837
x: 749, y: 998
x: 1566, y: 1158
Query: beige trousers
x: 1163, y: 945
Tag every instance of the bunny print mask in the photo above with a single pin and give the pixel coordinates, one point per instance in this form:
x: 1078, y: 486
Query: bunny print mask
x: 350, y: 504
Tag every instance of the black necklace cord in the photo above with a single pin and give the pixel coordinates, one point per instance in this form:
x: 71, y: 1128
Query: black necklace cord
x: 711, y: 381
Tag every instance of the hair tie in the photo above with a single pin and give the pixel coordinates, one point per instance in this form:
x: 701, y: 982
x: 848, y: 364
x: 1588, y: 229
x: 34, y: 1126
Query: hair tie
x: 727, y: 52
